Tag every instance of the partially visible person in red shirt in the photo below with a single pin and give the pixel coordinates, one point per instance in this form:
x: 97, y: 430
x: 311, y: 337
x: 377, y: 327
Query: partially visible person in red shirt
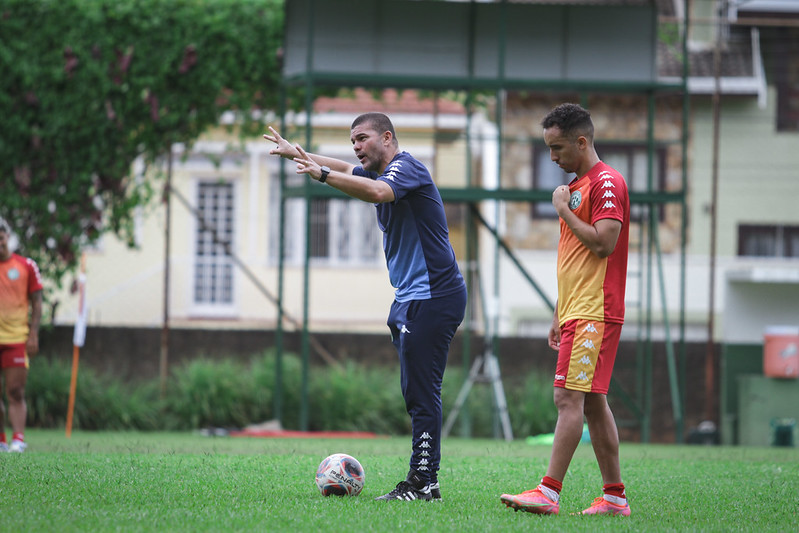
x: 20, y: 291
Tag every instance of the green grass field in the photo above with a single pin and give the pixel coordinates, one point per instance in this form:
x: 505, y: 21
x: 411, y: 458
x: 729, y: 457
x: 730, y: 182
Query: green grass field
x: 186, y: 482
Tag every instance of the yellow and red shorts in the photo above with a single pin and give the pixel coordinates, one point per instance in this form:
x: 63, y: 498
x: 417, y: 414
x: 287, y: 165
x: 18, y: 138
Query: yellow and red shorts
x: 586, y: 355
x: 13, y: 355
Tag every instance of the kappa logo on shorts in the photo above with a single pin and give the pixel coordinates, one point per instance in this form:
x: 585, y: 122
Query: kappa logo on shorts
x: 585, y: 360
x: 582, y: 376
x: 590, y: 328
x: 588, y: 343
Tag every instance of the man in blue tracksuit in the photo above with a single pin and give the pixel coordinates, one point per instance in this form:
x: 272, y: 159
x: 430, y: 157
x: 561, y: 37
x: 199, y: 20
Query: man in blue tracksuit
x: 430, y: 297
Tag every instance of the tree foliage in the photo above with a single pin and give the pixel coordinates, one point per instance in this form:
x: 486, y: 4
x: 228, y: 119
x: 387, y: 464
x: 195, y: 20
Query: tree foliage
x: 88, y: 86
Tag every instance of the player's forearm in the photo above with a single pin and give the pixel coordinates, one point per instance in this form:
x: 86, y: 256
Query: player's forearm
x: 584, y: 232
x: 36, y: 313
x: 598, y: 242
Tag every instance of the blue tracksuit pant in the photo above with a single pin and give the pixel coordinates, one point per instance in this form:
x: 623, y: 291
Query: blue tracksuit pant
x: 422, y: 330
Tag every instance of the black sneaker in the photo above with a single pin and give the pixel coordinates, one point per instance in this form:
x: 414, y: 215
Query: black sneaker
x: 435, y: 491
x: 413, y: 488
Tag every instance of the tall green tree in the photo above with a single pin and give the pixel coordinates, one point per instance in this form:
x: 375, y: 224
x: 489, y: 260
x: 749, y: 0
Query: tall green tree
x: 87, y: 86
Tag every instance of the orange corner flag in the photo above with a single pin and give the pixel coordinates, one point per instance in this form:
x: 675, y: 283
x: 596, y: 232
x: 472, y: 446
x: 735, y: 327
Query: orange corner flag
x: 78, y: 339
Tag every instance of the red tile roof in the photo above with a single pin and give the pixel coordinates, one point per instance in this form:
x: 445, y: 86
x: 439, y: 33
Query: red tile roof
x: 393, y: 101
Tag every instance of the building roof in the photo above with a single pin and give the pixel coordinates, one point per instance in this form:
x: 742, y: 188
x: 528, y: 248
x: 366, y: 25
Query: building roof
x: 743, y: 8
x: 740, y: 67
x: 391, y: 100
x: 736, y: 60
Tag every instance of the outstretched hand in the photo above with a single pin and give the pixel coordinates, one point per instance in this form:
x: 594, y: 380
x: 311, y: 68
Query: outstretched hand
x: 306, y: 165
x: 283, y: 148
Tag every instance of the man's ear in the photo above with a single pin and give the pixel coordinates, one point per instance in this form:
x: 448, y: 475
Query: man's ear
x: 582, y: 142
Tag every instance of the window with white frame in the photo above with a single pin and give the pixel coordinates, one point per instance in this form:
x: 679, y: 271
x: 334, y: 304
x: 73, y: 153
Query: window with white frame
x: 768, y: 240
x: 344, y: 231
x: 213, y: 266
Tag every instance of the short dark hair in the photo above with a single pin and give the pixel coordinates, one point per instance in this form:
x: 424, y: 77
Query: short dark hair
x: 377, y: 121
x: 572, y: 120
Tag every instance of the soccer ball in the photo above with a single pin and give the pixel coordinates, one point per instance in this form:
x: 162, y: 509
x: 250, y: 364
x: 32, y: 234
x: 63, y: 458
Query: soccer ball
x: 340, y: 475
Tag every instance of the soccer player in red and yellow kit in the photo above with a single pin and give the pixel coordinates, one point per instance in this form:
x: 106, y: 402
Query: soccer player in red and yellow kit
x: 594, y: 211
x: 20, y: 289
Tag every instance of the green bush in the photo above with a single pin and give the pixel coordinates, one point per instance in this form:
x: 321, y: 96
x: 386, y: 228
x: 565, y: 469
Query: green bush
x: 210, y: 393
x: 531, y: 408
x: 101, y: 402
x: 47, y: 392
x: 529, y: 400
x: 354, y: 398
x: 233, y: 394
x: 264, y: 375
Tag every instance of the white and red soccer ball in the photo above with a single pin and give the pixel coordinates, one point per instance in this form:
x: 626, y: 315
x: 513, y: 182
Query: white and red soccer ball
x: 340, y: 475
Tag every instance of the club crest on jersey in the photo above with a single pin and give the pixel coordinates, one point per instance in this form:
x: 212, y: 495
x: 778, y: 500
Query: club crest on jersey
x: 13, y: 274
x: 575, y: 200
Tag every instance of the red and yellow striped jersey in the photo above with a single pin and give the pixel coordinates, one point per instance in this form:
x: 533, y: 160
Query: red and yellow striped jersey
x: 590, y: 287
x: 19, y: 278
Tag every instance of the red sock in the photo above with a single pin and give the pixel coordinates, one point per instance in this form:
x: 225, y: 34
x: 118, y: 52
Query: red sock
x: 3, y: 436
x: 554, y: 484
x: 18, y: 435
x: 614, y: 489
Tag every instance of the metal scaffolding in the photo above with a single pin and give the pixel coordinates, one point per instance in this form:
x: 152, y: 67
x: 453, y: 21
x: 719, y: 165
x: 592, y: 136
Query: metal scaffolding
x: 308, y: 65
